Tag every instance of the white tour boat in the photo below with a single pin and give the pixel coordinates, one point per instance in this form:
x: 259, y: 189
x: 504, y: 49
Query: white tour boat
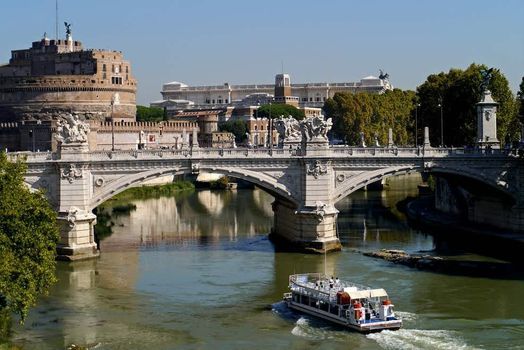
x: 348, y: 304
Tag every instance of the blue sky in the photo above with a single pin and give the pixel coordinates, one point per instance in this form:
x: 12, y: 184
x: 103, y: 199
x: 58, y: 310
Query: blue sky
x: 212, y: 42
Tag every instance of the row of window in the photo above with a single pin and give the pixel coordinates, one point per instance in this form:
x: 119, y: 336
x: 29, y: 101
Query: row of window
x: 115, y: 69
x: 217, y: 101
x: 317, y: 99
x: 116, y: 80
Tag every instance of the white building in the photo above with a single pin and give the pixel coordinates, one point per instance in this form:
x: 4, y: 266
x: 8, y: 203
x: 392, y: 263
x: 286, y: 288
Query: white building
x: 308, y: 94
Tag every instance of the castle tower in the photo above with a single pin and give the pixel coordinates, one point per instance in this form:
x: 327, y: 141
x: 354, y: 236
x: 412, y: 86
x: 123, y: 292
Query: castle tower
x: 487, y: 122
x: 283, y: 90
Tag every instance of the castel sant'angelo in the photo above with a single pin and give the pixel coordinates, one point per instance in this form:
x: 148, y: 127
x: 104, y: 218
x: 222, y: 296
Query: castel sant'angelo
x: 59, y: 76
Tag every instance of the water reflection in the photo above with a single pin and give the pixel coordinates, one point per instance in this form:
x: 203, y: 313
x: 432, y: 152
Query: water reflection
x: 205, y: 219
x: 198, y: 272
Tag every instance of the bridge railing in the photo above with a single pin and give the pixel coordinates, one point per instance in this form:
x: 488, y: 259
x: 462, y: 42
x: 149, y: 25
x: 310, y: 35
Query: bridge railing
x: 33, y: 156
x: 211, y: 153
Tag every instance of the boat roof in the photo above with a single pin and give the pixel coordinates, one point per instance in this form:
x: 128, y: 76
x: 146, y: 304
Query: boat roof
x: 364, y: 294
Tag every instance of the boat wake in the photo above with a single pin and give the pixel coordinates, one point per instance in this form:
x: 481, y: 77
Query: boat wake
x: 419, y: 339
x: 305, y: 329
x: 406, y: 316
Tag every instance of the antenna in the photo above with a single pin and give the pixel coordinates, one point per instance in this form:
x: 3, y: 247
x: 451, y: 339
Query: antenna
x: 56, y: 19
x: 282, y: 65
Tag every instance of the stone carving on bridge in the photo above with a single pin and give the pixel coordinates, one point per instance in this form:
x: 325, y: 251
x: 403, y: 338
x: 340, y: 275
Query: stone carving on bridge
x: 320, y: 210
x: 316, y: 169
x: 71, y: 216
x: 99, y: 181
x: 70, y: 129
x: 72, y: 173
x: 288, y: 128
x: 313, y: 128
x: 195, y: 168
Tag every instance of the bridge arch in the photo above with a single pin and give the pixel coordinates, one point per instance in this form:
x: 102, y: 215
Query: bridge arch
x: 493, y: 183
x: 357, y: 182
x: 264, y: 181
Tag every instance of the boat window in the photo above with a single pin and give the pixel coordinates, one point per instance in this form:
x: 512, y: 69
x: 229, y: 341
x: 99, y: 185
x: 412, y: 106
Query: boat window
x: 334, y: 309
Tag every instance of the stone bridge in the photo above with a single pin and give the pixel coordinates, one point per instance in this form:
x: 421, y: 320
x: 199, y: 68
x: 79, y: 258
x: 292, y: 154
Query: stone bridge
x: 306, y: 181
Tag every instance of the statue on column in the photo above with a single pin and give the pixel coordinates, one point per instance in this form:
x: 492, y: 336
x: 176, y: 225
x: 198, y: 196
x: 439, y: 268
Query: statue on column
x: 487, y: 75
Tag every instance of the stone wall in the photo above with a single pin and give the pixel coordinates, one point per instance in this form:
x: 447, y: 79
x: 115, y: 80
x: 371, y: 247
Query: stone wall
x: 141, y: 135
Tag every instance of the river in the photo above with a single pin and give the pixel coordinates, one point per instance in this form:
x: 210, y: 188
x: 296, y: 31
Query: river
x: 196, y: 271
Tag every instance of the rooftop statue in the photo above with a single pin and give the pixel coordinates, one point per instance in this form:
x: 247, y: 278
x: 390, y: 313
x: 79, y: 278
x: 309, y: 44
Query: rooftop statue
x: 487, y: 75
x: 70, y: 129
x: 68, y: 28
x: 383, y: 76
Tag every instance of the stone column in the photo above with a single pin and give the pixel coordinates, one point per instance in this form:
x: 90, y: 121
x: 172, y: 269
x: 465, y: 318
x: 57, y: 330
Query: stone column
x: 311, y: 230
x: 426, y: 143
x: 312, y: 225
x: 77, y: 239
x: 195, y: 139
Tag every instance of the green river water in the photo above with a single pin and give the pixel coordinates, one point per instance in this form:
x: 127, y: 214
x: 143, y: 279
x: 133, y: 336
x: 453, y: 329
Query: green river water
x: 196, y: 271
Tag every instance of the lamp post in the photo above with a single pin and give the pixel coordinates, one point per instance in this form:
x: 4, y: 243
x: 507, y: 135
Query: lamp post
x: 417, y: 105
x: 112, y: 126
x: 270, y: 129
x: 441, y: 122
x: 32, y: 133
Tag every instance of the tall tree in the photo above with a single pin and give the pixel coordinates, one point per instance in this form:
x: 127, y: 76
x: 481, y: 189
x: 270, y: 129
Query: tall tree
x: 277, y: 109
x: 149, y: 114
x: 28, y: 237
x: 459, y: 91
x: 373, y: 115
x: 520, y: 101
x: 237, y: 128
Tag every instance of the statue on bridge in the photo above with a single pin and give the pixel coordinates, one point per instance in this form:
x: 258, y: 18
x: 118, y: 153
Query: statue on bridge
x: 312, y: 128
x: 71, y: 129
x: 288, y: 128
x: 315, y: 128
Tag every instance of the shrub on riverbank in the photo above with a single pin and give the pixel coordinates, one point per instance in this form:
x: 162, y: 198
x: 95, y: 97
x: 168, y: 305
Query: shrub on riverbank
x: 145, y: 192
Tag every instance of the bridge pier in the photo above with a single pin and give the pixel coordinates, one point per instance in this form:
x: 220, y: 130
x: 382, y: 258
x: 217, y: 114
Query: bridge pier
x: 312, y: 230
x: 77, y: 236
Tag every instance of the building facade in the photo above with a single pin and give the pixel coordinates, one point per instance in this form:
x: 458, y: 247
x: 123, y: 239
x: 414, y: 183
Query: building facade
x: 307, y: 94
x: 60, y: 76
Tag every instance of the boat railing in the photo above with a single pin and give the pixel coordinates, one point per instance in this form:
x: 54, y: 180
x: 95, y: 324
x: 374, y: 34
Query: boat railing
x: 308, y: 280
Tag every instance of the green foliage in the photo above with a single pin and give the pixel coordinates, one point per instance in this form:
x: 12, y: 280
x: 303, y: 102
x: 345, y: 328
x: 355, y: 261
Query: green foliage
x: 145, y: 192
x: 237, y: 128
x: 149, y: 114
x: 372, y: 114
x: 119, y: 204
x: 220, y: 184
x: 460, y: 91
x: 277, y: 110
x: 28, y: 237
x: 123, y: 209
x: 520, y: 101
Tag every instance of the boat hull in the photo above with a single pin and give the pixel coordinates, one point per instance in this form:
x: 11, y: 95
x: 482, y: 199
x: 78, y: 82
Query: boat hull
x: 365, y: 328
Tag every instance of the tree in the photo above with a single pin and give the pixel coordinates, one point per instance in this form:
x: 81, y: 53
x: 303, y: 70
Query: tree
x: 278, y: 109
x: 459, y: 91
x: 373, y: 115
x: 520, y: 101
x: 149, y: 114
x: 28, y: 237
x: 237, y: 128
